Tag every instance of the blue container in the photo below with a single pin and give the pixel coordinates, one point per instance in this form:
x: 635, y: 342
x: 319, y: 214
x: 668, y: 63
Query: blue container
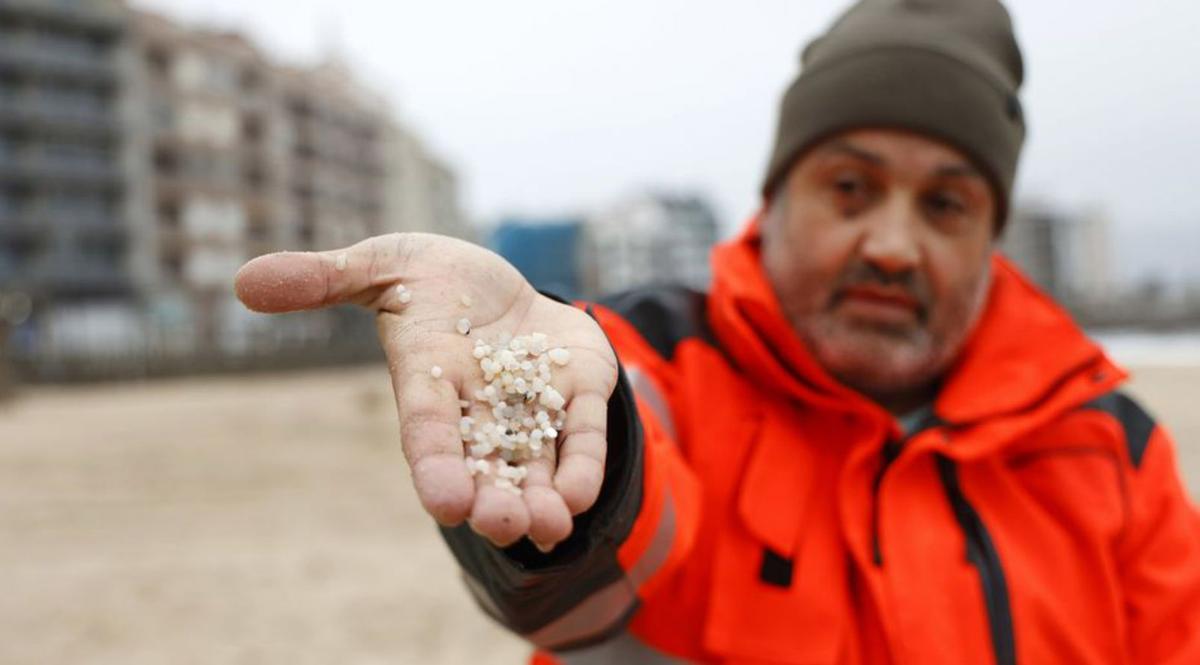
x: 547, y: 252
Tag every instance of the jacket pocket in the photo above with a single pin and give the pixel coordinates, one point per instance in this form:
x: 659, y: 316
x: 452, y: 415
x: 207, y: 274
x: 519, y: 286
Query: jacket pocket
x: 780, y: 582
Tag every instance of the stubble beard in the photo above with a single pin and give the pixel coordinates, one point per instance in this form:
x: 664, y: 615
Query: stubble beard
x: 888, y: 362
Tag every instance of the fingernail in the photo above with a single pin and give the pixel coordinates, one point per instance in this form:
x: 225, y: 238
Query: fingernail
x: 544, y: 549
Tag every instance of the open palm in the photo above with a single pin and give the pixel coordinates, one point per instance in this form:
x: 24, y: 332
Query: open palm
x: 421, y: 287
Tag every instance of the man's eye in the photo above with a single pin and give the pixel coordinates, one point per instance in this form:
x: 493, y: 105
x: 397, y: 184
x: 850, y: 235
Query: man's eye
x: 943, y: 203
x: 849, y: 185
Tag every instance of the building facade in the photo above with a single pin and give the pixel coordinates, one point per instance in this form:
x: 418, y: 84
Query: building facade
x: 64, y: 202
x: 1068, y: 253
x: 655, y: 238
x: 142, y: 161
x: 422, y: 192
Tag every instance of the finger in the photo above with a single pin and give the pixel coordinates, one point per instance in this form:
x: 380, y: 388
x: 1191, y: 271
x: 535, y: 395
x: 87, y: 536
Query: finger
x: 291, y: 281
x: 549, y: 517
x: 429, y: 434
x: 548, y: 522
x: 582, y: 453
x: 498, y: 514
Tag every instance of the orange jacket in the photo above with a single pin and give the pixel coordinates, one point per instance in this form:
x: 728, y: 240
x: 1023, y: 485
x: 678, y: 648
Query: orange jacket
x: 756, y: 511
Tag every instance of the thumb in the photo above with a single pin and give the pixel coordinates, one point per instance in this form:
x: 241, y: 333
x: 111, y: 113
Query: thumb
x: 292, y: 281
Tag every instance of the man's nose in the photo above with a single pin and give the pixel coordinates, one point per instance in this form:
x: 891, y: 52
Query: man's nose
x: 891, y: 243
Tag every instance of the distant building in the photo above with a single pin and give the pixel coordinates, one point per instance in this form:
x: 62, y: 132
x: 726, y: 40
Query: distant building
x: 546, y: 251
x: 1032, y: 238
x: 422, y: 192
x: 142, y: 161
x: 64, y: 231
x: 334, y: 166
x: 1088, y: 255
x: 1068, y: 254
x: 650, y: 239
x: 213, y: 162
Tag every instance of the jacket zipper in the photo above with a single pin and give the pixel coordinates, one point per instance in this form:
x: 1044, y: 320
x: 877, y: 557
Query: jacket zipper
x: 982, y: 554
x: 891, y: 450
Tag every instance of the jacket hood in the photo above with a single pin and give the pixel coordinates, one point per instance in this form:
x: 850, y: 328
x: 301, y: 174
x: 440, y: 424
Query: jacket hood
x: 1024, y: 355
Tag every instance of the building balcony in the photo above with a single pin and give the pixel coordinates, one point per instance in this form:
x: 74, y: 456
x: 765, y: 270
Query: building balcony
x: 172, y: 239
x: 103, y: 16
x: 176, y: 187
x: 21, y: 228
x: 69, y: 274
x: 362, y: 160
x: 92, y: 228
x: 25, y: 55
x: 39, y: 169
x: 49, y: 116
x: 33, y: 226
x: 66, y: 274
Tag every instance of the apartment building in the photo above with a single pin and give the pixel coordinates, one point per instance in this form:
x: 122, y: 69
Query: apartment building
x: 143, y: 160
x: 212, y: 163
x: 64, y: 204
x: 654, y: 238
x: 422, y: 191
x: 335, y: 133
x: 1067, y: 252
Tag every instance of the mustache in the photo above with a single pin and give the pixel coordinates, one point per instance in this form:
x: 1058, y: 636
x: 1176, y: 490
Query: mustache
x: 908, y: 282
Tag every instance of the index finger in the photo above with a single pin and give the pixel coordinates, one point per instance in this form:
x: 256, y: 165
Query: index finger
x: 293, y: 281
x: 429, y: 412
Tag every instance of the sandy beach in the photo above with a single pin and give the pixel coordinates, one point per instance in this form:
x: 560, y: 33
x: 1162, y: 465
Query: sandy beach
x: 266, y: 519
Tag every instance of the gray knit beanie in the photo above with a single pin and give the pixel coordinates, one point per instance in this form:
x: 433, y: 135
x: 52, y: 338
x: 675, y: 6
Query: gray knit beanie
x: 949, y: 69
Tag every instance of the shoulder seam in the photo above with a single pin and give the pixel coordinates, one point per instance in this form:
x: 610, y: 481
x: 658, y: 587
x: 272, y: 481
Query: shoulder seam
x: 664, y: 315
x: 1137, y: 424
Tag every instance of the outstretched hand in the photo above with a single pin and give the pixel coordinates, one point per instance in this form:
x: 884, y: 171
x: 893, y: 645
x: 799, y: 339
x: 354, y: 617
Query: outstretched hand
x: 421, y: 286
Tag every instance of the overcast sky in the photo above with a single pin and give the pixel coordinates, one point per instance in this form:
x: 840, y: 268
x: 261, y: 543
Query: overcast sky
x: 553, y: 106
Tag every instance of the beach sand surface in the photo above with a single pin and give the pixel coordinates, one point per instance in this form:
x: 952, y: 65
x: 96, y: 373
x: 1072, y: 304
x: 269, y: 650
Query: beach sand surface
x: 256, y: 520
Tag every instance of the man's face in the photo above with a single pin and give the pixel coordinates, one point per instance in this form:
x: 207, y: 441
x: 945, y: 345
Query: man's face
x: 877, y: 245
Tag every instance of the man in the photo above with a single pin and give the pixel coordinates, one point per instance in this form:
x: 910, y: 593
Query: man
x: 873, y: 441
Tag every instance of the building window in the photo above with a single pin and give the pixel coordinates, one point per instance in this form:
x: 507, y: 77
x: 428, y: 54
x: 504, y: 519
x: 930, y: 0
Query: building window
x: 159, y: 61
x: 172, y: 265
x: 166, y: 161
x: 252, y: 128
x: 251, y: 81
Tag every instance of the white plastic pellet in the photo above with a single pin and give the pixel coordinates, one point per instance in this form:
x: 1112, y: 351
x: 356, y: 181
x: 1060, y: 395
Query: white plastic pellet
x: 403, y: 294
x: 340, y: 262
x: 505, y: 484
x: 465, y: 300
x: 435, y: 372
x: 480, y: 450
x: 559, y: 356
x: 526, y: 411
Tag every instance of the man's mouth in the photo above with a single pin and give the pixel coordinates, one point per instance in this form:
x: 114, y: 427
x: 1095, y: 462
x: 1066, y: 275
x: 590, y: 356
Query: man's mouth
x: 881, y: 304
